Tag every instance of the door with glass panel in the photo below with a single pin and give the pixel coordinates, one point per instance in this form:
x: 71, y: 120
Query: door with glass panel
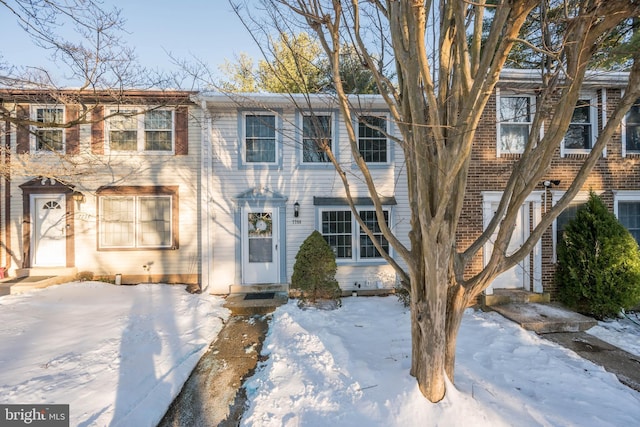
x: 260, y: 256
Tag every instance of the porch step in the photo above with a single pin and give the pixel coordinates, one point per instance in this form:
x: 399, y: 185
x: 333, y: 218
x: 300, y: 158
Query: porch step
x: 507, y: 296
x: 545, y: 318
x: 256, y: 299
x: 36, y: 278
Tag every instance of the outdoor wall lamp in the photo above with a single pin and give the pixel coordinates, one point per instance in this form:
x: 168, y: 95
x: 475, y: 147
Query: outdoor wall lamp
x: 78, y: 197
x: 548, y: 184
x: 296, y: 209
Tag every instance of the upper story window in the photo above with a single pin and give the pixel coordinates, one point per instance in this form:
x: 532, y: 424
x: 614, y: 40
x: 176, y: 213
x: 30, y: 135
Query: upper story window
x: 582, y: 131
x: 316, y: 138
x: 138, y: 131
x: 347, y: 239
x: 515, y: 119
x: 260, y: 138
x: 48, y: 137
x: 631, y: 129
x: 372, y: 139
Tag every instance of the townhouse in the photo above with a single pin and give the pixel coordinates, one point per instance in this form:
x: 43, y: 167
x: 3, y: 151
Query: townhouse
x: 219, y: 190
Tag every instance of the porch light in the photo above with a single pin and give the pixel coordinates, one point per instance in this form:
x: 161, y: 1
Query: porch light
x: 78, y: 197
x: 296, y: 209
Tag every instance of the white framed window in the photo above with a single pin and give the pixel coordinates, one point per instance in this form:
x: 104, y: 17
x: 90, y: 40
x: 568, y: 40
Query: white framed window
x: 136, y: 130
x: 631, y: 130
x: 626, y: 207
x: 317, y: 137
x: 260, y: 143
x: 583, y: 129
x: 137, y: 221
x: 372, y: 138
x: 515, y: 117
x: 347, y: 239
x: 48, y: 137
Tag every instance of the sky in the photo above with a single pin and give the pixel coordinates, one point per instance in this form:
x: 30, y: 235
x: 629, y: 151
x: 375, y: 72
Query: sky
x: 204, y: 29
x: 346, y: 367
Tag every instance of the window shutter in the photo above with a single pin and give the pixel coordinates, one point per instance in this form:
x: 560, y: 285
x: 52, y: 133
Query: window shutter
x: 97, y: 130
x: 182, y: 131
x: 72, y: 139
x: 22, y: 131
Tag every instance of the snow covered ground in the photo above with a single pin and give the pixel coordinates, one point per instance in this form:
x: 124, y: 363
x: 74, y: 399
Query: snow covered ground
x: 350, y: 368
x: 119, y: 354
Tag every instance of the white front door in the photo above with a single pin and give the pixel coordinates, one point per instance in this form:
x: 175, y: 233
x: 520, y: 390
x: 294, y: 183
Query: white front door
x: 517, y: 276
x: 260, y: 256
x: 49, y: 247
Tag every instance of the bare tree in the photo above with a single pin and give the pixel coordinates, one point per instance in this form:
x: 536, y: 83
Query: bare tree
x: 446, y: 72
x: 92, y: 66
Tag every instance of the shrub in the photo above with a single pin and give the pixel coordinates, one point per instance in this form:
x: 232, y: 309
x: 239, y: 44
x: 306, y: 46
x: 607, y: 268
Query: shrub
x: 598, y: 271
x: 315, y: 269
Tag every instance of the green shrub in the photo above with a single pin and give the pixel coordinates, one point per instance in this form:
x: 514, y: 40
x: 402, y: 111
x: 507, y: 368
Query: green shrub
x: 315, y: 269
x: 598, y: 271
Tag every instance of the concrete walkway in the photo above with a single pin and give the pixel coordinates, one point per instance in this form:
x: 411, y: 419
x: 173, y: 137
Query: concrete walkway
x: 567, y: 328
x: 213, y: 393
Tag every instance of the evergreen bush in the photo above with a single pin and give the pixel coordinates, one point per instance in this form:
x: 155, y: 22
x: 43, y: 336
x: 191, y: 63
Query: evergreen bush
x: 598, y: 271
x: 315, y: 269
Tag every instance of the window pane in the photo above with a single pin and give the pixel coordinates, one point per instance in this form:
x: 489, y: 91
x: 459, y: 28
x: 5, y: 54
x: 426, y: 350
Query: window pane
x: 578, y: 137
x: 367, y: 249
x: 50, y: 115
x: 515, y: 109
x: 372, y: 142
x: 629, y: 216
x: 123, y: 140
x: 157, y: 119
x: 157, y: 141
x: 316, y: 133
x: 513, y: 137
x: 49, y: 140
x: 123, y: 131
x: 336, y: 230
x: 561, y: 222
x: 260, y: 142
x: 633, y: 128
x: 154, y: 221
x: 117, y: 222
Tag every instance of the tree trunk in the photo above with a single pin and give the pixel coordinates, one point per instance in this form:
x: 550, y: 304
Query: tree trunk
x: 428, y: 322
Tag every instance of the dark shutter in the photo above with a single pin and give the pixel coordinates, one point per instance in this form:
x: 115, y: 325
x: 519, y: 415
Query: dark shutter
x: 97, y: 130
x: 72, y: 139
x: 182, y: 131
x: 22, y: 129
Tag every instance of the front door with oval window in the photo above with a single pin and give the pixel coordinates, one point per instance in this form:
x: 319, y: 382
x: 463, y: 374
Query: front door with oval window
x: 260, y: 256
x: 49, y: 230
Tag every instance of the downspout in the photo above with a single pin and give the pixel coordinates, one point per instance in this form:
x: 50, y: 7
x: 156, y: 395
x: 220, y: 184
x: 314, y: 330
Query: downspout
x: 6, y: 158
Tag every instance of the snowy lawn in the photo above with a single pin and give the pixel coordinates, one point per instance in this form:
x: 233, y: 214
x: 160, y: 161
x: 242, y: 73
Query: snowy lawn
x: 117, y: 354
x: 350, y: 367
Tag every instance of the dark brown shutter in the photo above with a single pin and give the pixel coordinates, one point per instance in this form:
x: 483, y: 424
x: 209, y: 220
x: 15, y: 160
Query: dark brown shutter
x: 182, y: 131
x: 22, y: 129
x: 72, y: 139
x: 97, y: 130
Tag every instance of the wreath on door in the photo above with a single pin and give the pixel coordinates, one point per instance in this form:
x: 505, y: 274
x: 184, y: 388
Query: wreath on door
x: 260, y: 224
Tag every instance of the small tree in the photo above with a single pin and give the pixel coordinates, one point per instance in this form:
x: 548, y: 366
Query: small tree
x: 315, y: 269
x: 598, y: 263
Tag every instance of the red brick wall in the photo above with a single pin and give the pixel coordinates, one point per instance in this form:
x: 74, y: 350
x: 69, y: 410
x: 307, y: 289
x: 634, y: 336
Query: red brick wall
x: 490, y: 173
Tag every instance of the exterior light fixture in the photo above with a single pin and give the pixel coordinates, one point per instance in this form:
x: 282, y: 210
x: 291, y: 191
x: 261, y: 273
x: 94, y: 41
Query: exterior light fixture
x: 296, y: 209
x: 78, y: 196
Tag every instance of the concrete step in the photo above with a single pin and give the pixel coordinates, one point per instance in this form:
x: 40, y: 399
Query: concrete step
x: 251, y: 303
x: 507, y: 296
x: 17, y: 285
x: 267, y: 287
x: 545, y: 318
